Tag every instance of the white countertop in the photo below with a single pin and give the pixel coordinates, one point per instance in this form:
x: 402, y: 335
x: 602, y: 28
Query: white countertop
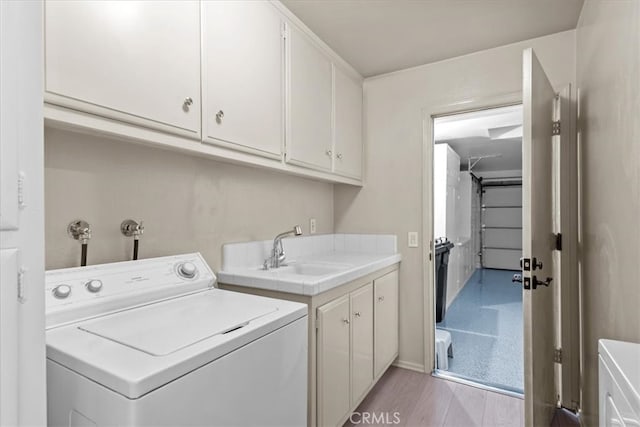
x: 325, y: 271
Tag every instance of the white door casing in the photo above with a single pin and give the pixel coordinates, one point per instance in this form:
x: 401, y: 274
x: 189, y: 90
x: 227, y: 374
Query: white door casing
x: 22, y: 341
x: 538, y: 243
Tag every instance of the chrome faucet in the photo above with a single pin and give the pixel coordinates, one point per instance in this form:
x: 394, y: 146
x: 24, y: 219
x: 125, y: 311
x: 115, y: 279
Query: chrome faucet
x: 278, y: 257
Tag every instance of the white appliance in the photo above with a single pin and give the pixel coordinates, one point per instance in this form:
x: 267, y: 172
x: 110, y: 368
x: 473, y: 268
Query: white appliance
x: 619, y: 378
x: 152, y: 342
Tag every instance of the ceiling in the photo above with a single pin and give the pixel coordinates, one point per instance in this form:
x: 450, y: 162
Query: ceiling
x: 496, y: 133
x: 379, y: 36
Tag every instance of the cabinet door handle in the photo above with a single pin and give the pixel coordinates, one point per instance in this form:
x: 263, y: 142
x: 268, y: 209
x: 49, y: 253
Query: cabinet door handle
x: 380, y: 299
x: 219, y: 116
x: 345, y: 321
x: 357, y: 314
x: 188, y: 101
x: 329, y: 153
x: 339, y: 156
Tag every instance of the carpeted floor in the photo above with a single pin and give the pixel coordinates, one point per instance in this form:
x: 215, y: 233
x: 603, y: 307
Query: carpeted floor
x: 485, y: 321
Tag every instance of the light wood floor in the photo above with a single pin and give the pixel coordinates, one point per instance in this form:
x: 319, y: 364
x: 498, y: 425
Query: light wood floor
x: 422, y: 400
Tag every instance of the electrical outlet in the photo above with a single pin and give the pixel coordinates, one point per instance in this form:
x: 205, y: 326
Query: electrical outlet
x: 312, y: 226
x: 412, y: 237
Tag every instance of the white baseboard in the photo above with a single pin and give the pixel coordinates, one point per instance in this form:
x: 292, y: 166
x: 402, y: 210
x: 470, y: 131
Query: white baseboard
x: 409, y: 365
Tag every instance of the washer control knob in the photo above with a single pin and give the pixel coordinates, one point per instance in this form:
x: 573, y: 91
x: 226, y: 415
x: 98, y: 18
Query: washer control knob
x: 187, y: 269
x: 62, y: 291
x: 94, y: 285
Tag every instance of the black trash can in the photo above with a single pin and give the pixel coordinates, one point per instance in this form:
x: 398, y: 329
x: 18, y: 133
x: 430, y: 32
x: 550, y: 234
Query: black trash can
x: 443, y: 248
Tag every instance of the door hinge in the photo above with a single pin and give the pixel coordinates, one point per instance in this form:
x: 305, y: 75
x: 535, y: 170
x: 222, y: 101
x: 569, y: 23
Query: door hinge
x: 557, y: 355
x: 555, y: 129
x: 22, y: 298
x: 558, y: 241
x: 21, y: 179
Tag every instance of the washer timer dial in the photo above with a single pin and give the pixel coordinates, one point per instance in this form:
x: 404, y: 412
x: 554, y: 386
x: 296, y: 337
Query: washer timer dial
x: 61, y: 291
x: 187, y: 270
x: 94, y: 285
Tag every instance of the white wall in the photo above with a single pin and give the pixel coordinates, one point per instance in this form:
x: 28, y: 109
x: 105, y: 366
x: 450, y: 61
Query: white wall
x: 608, y: 72
x: 446, y: 183
x: 187, y: 203
x: 392, y: 199
x: 452, y: 216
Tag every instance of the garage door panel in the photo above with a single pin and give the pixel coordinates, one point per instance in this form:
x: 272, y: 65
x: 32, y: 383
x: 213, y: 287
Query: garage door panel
x: 502, y: 238
x: 502, y: 217
x: 502, y: 196
x: 505, y: 259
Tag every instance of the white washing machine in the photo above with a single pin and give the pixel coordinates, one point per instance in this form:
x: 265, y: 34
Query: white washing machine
x: 152, y: 342
x: 619, y: 383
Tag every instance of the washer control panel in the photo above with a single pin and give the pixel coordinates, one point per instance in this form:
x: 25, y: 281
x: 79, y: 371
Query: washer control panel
x: 81, y: 292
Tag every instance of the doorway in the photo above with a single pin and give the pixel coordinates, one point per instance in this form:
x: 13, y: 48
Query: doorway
x: 477, y: 212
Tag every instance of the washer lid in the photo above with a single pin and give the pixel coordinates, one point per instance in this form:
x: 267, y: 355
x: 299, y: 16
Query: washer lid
x: 164, y: 328
x: 136, y: 351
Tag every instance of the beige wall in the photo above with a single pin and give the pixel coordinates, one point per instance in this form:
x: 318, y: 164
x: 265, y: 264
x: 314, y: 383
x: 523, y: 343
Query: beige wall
x: 187, y: 203
x: 392, y: 198
x: 608, y: 73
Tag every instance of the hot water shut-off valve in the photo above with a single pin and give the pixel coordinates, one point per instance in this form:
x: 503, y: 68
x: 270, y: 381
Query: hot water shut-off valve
x: 80, y: 230
x: 131, y: 228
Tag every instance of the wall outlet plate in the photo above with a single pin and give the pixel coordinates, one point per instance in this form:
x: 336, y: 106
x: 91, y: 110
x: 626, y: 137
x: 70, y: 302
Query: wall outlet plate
x: 312, y: 226
x: 412, y: 238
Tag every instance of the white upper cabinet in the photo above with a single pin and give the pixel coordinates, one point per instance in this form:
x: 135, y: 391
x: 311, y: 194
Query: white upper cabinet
x: 247, y: 78
x: 310, y: 139
x: 243, y: 76
x: 348, y: 124
x: 135, y: 61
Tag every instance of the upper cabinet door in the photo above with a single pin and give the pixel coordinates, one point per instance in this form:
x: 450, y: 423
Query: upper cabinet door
x: 348, y: 125
x: 310, y: 139
x: 135, y: 61
x: 243, y: 76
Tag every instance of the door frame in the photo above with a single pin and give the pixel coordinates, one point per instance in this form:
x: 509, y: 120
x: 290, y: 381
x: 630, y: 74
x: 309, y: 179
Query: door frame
x: 566, y: 170
x: 428, y: 274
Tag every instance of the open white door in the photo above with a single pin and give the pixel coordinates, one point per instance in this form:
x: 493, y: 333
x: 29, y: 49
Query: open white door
x: 538, y: 243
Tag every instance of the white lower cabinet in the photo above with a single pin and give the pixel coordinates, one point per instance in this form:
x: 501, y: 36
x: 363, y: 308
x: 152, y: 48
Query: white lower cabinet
x: 333, y: 361
x: 385, y: 325
x: 361, y: 342
x: 354, y: 332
